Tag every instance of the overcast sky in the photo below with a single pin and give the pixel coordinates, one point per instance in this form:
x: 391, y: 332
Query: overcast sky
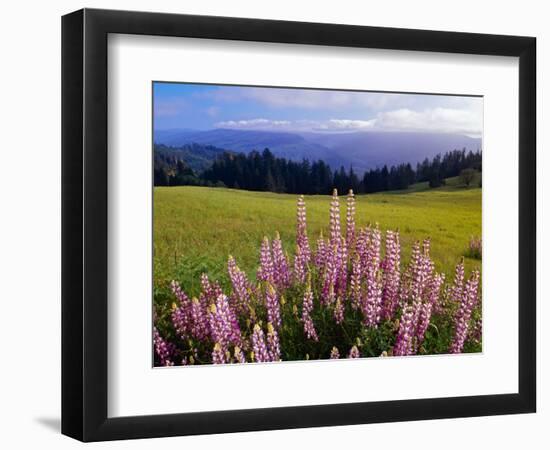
x: 202, y: 107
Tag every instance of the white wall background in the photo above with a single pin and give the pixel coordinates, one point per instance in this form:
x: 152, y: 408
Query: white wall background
x: 30, y: 221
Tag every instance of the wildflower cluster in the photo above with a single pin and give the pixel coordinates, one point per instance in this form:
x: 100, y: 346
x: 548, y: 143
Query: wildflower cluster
x: 348, y: 297
x: 474, y: 248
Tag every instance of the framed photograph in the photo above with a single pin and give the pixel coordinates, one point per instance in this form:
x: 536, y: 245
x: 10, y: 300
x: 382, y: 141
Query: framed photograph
x: 273, y: 224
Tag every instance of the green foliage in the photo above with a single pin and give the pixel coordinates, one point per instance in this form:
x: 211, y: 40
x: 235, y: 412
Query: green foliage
x: 468, y: 176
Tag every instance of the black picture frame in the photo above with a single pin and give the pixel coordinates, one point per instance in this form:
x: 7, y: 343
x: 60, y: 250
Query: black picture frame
x: 84, y: 224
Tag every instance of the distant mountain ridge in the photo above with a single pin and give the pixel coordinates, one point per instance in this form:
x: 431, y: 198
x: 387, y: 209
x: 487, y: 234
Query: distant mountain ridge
x: 287, y: 145
x: 362, y: 150
x: 197, y: 156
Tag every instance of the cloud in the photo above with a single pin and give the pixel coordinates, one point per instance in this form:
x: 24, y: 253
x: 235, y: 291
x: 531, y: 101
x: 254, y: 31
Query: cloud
x: 297, y: 125
x: 445, y: 120
x: 369, y: 110
x: 255, y: 124
x: 442, y: 120
x: 347, y: 124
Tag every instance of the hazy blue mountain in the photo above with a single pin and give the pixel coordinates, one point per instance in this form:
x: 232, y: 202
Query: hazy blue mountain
x: 363, y: 150
x: 367, y: 150
x: 288, y: 145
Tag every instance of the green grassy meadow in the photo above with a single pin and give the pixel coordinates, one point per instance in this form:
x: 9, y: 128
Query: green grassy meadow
x: 196, y: 228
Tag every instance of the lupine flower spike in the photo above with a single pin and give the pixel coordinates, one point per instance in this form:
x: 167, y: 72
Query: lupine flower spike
x: 354, y: 352
x: 301, y: 231
x: 164, y: 350
x: 273, y: 307
x: 350, y: 220
x: 241, y: 286
x: 281, y: 271
x: 273, y: 346
x: 307, y: 308
x: 404, y: 341
x: 258, y: 345
x: 464, y: 313
x: 265, y: 271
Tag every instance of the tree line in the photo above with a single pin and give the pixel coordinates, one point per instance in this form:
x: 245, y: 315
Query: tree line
x: 263, y: 171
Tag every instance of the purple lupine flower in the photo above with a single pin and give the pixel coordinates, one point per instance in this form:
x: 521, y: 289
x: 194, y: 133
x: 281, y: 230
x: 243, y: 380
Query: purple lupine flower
x: 436, y: 282
x: 330, y: 275
x: 410, y: 275
x: 265, y: 271
x: 273, y: 346
x: 334, y: 353
x: 205, y: 283
x: 392, y: 275
x: 355, y: 283
x: 180, y: 320
x: 220, y: 327
x: 281, y: 274
x: 200, y: 327
x: 180, y: 311
x: 211, y: 290
x: 178, y: 292
x: 416, y: 271
x: 342, y: 269
x: 405, y: 334
x: 464, y: 313
x: 476, y: 331
x: 420, y: 294
x: 336, y: 256
x: 458, y: 283
x: 339, y: 311
x: 301, y: 231
x: 350, y: 221
x: 307, y: 308
x: 218, y: 354
x: 239, y: 355
x: 321, y: 254
x: 407, y: 285
x: 241, y: 286
x: 163, y: 349
x: 236, y: 337
x: 362, y: 245
x: 303, y: 253
x: 427, y: 265
x: 426, y: 247
x: 335, y: 232
x: 419, y: 297
x: 258, y: 345
x: 423, y: 322
x: 372, y: 302
x: 418, y: 275
x: 224, y: 327
x: 354, y: 352
x: 272, y: 306
x: 300, y: 266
